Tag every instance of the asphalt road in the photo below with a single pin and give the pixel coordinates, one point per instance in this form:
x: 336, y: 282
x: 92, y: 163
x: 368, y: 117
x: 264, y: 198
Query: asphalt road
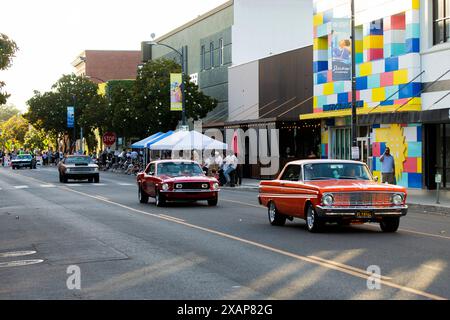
x: 128, y: 250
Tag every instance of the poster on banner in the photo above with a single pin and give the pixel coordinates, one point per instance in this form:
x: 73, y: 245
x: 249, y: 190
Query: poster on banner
x: 70, y: 117
x: 341, y: 46
x: 176, y: 96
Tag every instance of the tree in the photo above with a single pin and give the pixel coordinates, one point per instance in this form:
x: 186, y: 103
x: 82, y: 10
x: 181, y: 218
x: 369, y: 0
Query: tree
x: 48, y: 111
x: 8, y: 49
x: 13, y: 132
x: 36, y: 139
x: 152, y: 98
x: 7, y: 111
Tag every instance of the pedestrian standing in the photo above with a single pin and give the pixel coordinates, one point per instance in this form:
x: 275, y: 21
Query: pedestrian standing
x: 387, y: 167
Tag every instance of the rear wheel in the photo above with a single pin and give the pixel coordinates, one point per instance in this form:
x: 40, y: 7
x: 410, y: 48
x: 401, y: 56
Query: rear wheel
x: 313, y: 223
x: 275, y: 218
x: 390, y: 224
x: 160, y: 199
x: 143, y: 197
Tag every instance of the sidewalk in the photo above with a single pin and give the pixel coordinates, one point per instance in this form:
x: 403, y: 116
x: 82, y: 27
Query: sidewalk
x: 418, y: 199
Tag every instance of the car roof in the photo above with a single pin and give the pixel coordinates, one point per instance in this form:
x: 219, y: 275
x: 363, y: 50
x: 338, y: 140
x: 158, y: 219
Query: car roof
x: 302, y: 162
x: 174, y: 160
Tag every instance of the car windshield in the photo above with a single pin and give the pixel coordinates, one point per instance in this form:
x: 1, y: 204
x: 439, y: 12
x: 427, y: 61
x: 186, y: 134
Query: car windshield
x: 24, y: 157
x: 78, y: 160
x: 177, y: 169
x: 336, y: 171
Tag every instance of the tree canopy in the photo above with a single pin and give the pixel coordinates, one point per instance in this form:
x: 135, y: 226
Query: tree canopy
x: 8, y: 49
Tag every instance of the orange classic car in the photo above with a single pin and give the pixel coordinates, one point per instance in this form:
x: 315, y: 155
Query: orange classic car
x: 335, y: 191
x: 173, y: 180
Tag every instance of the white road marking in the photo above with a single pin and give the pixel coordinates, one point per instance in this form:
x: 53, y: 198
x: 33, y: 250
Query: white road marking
x: 125, y: 184
x: 74, y: 185
x: 47, y: 186
x: 21, y: 187
x: 16, y: 254
x: 99, y: 184
x: 19, y: 263
x: 170, y: 217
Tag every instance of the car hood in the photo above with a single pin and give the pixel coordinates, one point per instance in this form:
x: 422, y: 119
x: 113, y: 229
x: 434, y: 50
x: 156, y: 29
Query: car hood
x: 168, y: 179
x: 354, y: 185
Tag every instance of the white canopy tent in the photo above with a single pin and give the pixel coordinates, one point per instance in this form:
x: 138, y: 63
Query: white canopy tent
x: 188, y: 140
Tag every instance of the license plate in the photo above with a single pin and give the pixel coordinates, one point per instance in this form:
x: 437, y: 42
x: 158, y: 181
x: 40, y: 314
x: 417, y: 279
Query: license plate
x: 364, y: 214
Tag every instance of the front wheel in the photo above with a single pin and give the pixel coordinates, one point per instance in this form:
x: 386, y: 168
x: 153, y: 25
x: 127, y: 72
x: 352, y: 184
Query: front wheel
x: 143, y: 197
x: 213, y: 202
x: 97, y: 179
x: 275, y: 218
x: 313, y: 224
x: 160, y: 200
x: 390, y: 224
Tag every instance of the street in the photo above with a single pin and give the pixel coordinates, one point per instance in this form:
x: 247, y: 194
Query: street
x: 128, y: 250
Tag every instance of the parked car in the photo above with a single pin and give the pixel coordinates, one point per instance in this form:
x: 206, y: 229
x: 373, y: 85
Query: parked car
x: 78, y: 168
x: 322, y: 191
x: 23, y: 160
x: 174, y: 180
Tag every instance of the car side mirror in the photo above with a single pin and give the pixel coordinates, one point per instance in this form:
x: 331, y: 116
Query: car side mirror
x: 375, y: 179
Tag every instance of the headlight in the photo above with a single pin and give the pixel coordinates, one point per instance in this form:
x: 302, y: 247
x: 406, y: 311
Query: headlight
x: 67, y: 170
x: 95, y: 169
x: 179, y: 186
x: 215, y: 186
x: 327, y: 200
x: 205, y: 186
x: 165, y: 186
x: 397, y: 199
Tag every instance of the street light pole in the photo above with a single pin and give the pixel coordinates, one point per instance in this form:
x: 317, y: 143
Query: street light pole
x: 183, y: 71
x: 354, y: 116
x: 74, y: 123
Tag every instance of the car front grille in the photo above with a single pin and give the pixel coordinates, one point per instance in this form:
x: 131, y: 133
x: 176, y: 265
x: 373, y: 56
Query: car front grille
x: 362, y: 199
x: 190, y: 186
x: 79, y: 169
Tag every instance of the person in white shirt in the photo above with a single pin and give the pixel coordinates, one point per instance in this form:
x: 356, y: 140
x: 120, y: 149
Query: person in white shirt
x: 218, y: 160
x: 231, y: 162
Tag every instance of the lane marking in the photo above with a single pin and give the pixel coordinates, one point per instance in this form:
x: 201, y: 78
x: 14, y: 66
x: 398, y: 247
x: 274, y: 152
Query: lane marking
x: 334, y: 266
x: 170, y: 217
x: 21, y: 187
x: 100, y: 197
x: 47, y: 186
x: 125, y: 184
x: 98, y: 184
x: 16, y: 254
x: 19, y: 263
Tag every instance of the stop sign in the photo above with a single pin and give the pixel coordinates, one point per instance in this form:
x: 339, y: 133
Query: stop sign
x: 109, y: 138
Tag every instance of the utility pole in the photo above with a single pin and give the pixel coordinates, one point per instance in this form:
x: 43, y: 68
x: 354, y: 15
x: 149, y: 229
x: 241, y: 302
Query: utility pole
x: 354, y: 115
x: 74, y: 124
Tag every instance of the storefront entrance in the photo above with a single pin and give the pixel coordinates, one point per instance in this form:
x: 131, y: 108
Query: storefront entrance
x: 437, y: 150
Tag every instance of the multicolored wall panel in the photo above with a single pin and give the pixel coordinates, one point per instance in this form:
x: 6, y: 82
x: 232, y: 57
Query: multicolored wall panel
x: 387, y: 55
x: 405, y: 143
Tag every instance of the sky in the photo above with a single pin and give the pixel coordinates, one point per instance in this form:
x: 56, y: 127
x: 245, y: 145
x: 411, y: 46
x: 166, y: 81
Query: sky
x: 51, y: 33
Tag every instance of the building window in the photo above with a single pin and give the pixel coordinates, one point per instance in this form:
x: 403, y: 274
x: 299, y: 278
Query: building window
x: 202, y: 57
x: 211, y: 53
x: 221, y: 52
x: 441, y: 21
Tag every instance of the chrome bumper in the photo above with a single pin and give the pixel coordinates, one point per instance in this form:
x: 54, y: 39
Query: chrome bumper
x: 323, y: 211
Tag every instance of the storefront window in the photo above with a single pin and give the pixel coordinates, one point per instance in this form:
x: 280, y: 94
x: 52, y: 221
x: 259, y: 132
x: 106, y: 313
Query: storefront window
x: 441, y: 21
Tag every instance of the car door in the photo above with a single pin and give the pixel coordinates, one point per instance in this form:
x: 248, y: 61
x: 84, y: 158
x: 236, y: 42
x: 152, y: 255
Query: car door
x: 148, y: 183
x: 286, y: 199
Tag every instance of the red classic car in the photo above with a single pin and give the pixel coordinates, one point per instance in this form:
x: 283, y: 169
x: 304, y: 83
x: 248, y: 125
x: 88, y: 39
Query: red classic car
x: 171, y: 180
x: 337, y: 191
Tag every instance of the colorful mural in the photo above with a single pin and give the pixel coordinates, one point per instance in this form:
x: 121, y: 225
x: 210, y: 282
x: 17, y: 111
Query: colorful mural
x: 387, y: 56
x: 405, y: 142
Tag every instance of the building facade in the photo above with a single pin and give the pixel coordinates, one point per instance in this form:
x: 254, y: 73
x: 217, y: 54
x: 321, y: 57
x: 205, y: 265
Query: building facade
x: 107, y: 64
x: 207, y: 47
x: 403, y: 94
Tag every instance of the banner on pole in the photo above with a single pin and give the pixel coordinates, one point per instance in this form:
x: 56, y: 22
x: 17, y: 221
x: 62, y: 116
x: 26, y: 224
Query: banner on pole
x: 70, y: 117
x: 341, y: 50
x: 176, y: 95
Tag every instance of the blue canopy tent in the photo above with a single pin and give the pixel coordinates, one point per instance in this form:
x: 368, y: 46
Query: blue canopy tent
x: 142, y: 144
x: 149, y: 142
